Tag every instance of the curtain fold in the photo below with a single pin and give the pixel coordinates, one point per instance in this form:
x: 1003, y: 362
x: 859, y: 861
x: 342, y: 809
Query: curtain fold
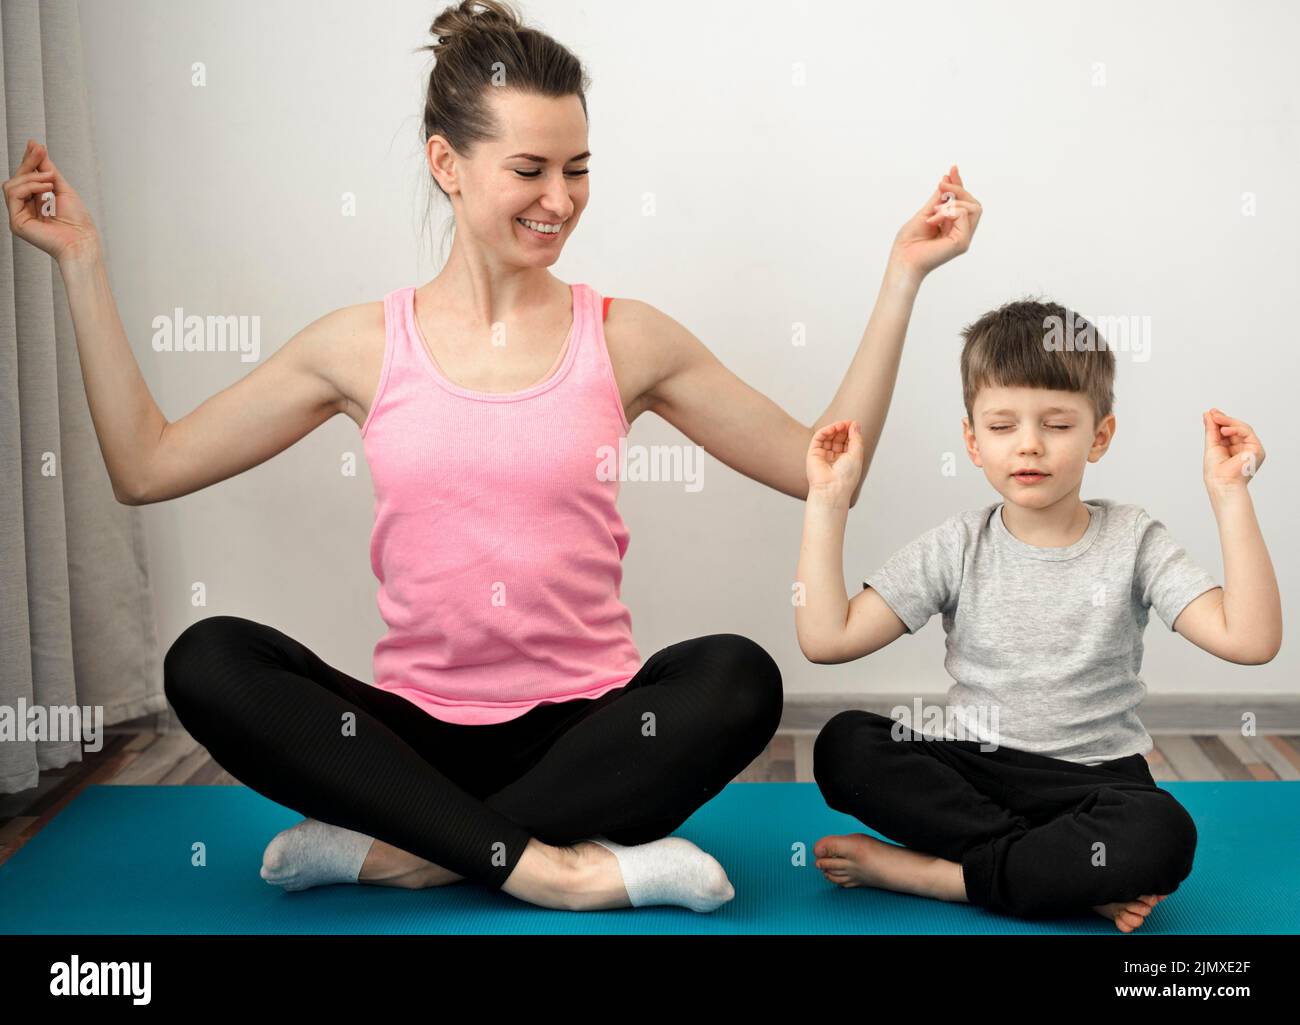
x: 76, y: 611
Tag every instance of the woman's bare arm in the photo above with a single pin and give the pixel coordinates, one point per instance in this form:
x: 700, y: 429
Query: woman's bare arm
x: 150, y: 459
x: 747, y: 430
x: 754, y: 435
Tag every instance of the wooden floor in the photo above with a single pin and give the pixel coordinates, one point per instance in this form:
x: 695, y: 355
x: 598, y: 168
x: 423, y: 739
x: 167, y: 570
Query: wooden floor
x: 134, y: 754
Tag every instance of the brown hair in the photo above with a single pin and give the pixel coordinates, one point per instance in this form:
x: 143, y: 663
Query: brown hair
x: 484, y: 44
x: 1035, y: 344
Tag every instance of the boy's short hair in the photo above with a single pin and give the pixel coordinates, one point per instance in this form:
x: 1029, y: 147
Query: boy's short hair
x: 1035, y: 344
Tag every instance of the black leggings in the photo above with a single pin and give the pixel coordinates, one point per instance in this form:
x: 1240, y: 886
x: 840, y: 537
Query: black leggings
x: 1035, y: 836
x: 631, y: 765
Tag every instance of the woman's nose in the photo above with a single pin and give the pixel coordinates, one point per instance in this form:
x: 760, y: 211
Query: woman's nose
x: 557, y: 200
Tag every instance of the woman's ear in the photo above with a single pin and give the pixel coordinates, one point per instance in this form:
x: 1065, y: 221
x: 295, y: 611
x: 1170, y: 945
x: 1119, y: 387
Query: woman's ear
x: 441, y: 159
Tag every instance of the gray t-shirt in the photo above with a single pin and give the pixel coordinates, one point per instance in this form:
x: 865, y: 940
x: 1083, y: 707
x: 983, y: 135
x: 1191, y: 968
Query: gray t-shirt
x: 1045, y: 644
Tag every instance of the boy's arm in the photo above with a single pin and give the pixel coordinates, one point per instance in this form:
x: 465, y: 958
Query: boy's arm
x: 832, y: 629
x: 1242, y: 621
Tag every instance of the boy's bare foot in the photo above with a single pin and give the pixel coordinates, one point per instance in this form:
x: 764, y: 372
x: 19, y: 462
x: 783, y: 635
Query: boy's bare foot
x: 855, y: 859
x: 1129, y: 914
x: 387, y: 865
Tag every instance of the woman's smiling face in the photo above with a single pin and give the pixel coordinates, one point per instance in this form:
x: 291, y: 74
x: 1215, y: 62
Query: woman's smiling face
x: 537, y: 169
x: 1033, y: 443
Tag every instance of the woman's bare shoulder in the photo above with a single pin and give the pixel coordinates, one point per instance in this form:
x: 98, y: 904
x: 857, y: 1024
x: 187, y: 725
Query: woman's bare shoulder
x: 647, y: 346
x: 639, y: 338
x: 346, y: 347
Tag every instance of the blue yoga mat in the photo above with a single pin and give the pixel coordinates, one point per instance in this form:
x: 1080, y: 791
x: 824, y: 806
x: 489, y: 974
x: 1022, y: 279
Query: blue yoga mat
x: 118, y: 860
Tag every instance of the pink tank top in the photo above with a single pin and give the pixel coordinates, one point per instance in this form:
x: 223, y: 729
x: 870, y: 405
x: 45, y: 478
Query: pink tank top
x: 497, y: 545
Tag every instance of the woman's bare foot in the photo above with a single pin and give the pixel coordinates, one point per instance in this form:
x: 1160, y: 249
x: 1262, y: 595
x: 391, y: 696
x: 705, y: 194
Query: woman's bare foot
x: 1129, y: 914
x: 585, y: 876
x: 855, y: 859
x: 387, y: 865
x: 581, y: 877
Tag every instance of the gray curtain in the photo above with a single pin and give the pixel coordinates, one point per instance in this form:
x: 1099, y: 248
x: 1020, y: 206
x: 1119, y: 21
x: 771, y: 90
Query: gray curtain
x: 76, y: 613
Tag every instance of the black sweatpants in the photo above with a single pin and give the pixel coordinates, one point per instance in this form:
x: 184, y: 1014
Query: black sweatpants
x: 469, y: 798
x: 1035, y: 836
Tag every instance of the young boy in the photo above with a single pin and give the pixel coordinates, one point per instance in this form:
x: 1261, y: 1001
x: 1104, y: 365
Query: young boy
x: 1037, y: 799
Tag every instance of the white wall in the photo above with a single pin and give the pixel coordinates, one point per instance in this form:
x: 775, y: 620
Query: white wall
x: 776, y: 205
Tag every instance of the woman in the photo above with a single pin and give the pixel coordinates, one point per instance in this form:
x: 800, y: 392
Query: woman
x: 513, y: 735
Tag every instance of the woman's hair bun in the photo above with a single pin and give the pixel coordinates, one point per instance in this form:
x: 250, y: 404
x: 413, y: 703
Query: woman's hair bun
x: 471, y: 15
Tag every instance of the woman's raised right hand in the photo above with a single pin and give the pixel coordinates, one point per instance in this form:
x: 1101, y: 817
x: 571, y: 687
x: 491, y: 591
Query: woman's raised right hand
x: 65, y: 231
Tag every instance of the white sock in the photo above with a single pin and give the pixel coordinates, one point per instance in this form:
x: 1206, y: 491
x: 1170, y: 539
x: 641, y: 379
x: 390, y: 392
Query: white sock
x: 671, y: 870
x: 314, y: 853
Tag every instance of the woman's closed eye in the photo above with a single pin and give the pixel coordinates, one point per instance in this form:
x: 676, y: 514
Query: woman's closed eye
x: 538, y: 174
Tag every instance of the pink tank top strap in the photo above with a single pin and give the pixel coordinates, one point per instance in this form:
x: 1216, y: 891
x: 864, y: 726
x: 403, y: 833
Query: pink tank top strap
x: 397, y: 355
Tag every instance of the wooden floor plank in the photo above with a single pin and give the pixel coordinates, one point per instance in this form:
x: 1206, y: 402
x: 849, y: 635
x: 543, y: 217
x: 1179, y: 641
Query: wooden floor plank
x: 755, y: 771
x: 1228, y: 764
x: 1248, y: 756
x: 141, y: 741
x: 158, y: 759
x: 803, y: 755
x: 1236, y: 743
x: 1273, y: 758
x: 138, y: 749
x: 186, y: 767
x: 1186, y: 758
x: 1288, y: 749
x: 1159, y: 765
x: 206, y: 773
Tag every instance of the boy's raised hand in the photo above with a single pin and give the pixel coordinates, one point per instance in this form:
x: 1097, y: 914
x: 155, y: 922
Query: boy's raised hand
x: 1233, y: 454
x: 835, y: 459
x: 938, y: 231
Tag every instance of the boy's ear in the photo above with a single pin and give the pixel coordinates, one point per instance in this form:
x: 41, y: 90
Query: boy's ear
x: 972, y: 447
x: 1102, y: 439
